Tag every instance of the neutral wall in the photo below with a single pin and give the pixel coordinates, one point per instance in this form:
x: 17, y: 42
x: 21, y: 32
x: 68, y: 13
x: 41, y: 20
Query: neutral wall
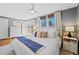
x: 78, y: 21
x: 78, y: 15
x: 69, y: 16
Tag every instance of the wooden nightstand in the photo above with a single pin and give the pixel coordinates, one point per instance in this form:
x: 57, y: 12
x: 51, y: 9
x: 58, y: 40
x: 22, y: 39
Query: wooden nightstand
x: 70, y: 44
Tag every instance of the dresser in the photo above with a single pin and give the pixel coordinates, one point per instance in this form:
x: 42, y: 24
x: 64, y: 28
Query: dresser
x: 70, y: 44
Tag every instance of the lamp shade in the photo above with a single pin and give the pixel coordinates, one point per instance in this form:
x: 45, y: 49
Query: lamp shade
x: 34, y: 27
x: 70, y: 28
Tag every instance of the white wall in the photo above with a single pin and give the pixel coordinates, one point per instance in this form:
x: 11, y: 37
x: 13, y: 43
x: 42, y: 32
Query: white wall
x: 25, y: 25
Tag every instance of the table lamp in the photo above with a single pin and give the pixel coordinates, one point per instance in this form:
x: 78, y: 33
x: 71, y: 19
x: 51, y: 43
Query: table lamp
x: 69, y: 29
x: 35, y: 29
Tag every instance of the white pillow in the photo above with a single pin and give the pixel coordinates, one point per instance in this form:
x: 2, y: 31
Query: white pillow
x: 55, y: 34
x: 52, y: 33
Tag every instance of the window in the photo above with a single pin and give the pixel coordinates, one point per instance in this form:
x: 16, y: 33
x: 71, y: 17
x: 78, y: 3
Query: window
x: 52, y: 20
x: 43, y: 21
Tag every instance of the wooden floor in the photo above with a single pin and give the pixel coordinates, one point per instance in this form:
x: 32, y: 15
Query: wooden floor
x: 64, y: 52
x: 5, y: 41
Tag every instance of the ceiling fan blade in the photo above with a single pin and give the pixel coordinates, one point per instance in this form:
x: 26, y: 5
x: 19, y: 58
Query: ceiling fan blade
x: 36, y: 11
x: 32, y: 10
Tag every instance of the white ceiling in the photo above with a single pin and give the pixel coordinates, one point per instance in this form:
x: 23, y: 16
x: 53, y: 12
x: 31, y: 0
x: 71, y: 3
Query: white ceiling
x: 20, y: 10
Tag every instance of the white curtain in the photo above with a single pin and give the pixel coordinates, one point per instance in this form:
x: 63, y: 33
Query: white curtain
x: 57, y: 16
x: 3, y: 28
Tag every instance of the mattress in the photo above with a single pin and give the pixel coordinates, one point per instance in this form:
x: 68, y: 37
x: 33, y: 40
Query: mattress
x: 6, y: 50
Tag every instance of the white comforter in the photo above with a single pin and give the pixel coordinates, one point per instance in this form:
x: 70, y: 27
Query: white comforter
x: 51, y: 46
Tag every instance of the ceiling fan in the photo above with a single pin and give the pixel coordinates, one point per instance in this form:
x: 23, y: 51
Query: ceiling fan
x: 32, y: 9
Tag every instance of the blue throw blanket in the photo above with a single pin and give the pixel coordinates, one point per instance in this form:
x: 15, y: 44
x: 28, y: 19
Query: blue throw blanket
x: 34, y: 46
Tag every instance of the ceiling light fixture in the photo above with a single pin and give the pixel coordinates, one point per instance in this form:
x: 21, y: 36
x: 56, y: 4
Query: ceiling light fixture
x: 32, y: 10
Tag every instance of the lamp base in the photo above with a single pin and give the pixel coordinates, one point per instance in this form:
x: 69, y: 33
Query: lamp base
x: 69, y: 34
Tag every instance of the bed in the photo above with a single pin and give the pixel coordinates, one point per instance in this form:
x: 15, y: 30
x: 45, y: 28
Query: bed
x: 6, y: 50
x: 51, y: 46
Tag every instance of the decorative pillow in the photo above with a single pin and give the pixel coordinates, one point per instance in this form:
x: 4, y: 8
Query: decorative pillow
x: 52, y: 33
x: 42, y: 34
x: 39, y: 34
x: 59, y: 34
